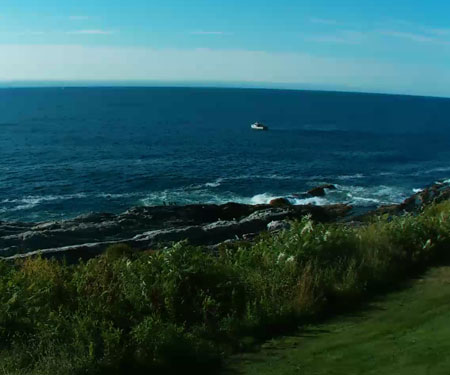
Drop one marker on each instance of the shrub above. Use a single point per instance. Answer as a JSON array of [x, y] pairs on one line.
[[118, 251], [185, 308]]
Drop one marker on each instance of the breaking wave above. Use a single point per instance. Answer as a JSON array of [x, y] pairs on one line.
[[32, 201], [350, 194]]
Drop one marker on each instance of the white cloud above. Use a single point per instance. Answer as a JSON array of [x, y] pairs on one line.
[[414, 37], [405, 35], [209, 33], [92, 32], [324, 21], [440, 32], [76, 62], [341, 37], [78, 18]]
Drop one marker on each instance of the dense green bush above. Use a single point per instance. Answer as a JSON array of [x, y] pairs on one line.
[[185, 308]]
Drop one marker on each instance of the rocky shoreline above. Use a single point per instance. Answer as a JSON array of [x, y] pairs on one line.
[[146, 228]]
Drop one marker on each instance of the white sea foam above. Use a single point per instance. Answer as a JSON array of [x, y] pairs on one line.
[[189, 196], [207, 193], [36, 199], [350, 194], [117, 195], [432, 170], [369, 196], [365, 201], [317, 201], [262, 198], [260, 177], [351, 177], [214, 184], [29, 202]]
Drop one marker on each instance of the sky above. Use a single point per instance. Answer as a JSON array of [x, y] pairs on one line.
[[400, 46]]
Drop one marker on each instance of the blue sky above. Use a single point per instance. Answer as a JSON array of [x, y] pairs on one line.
[[400, 46]]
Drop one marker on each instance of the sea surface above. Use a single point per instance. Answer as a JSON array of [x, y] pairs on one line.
[[69, 151]]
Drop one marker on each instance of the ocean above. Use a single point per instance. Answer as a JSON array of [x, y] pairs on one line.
[[70, 151]]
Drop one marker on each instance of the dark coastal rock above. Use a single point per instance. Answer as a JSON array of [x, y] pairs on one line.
[[279, 202], [208, 225], [278, 225], [146, 228], [435, 193], [319, 191], [150, 227]]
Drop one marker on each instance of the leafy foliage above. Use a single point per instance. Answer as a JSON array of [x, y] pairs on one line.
[[186, 308]]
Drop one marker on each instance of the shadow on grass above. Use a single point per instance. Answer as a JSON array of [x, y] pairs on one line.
[[335, 313]]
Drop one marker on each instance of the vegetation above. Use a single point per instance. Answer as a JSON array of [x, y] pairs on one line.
[[405, 332], [185, 308]]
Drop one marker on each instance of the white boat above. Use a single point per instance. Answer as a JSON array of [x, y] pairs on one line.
[[259, 126]]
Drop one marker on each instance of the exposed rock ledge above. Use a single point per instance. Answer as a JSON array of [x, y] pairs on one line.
[[152, 227]]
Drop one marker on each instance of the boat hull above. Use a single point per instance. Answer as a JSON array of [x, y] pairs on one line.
[[258, 127]]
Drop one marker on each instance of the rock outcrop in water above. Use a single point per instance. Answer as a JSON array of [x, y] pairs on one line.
[[319, 191], [279, 202], [153, 227]]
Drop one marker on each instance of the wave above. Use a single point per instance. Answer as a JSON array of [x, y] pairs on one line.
[[208, 193], [261, 177], [117, 195], [317, 201], [349, 194], [430, 171], [388, 174], [351, 177], [185, 196], [32, 201], [373, 195], [214, 184], [36, 199], [263, 198], [221, 180]]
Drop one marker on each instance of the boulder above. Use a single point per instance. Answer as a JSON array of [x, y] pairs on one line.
[[279, 202], [319, 191], [278, 225]]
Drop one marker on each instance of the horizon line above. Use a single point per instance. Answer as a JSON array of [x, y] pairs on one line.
[[105, 83]]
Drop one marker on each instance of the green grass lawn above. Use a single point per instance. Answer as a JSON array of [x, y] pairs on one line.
[[406, 332]]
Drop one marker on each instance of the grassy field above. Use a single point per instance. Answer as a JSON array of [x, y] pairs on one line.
[[407, 332]]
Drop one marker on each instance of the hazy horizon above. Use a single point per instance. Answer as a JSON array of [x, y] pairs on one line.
[[393, 48], [201, 84]]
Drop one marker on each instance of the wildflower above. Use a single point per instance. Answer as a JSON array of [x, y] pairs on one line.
[[307, 228], [427, 244], [281, 257], [291, 259]]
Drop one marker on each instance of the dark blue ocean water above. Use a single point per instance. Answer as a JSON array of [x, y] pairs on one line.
[[65, 152]]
